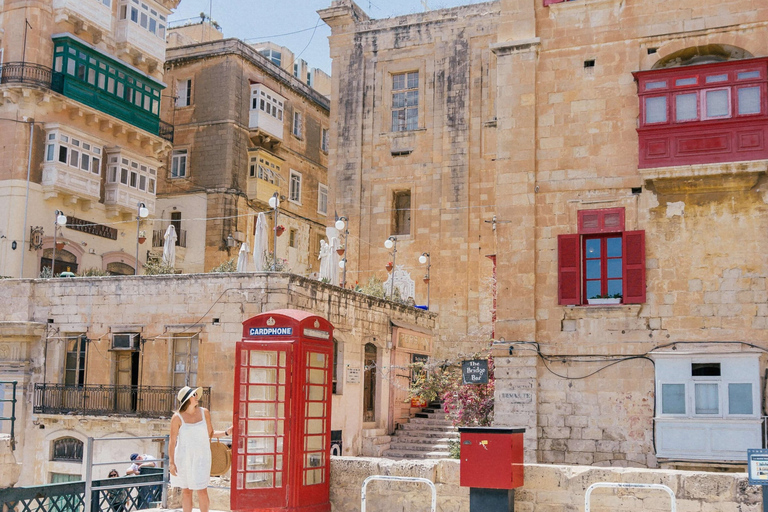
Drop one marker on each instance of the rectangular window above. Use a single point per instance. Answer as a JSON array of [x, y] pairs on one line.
[[322, 199], [749, 100], [656, 110], [324, 140], [292, 234], [297, 121], [687, 107], [185, 353], [740, 399], [602, 261], [673, 398], [176, 223], [707, 400], [179, 163], [295, 187], [184, 93], [74, 366], [401, 209], [405, 101], [717, 103]]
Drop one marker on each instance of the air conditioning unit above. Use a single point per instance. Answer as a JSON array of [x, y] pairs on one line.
[[125, 341]]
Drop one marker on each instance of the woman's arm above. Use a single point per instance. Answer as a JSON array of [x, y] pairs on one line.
[[214, 433], [175, 426]]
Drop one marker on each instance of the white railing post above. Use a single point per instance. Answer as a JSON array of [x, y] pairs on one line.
[[629, 486], [413, 479], [88, 475]]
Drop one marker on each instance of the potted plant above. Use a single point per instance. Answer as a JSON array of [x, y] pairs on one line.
[[279, 230], [605, 299], [340, 251], [389, 266], [59, 246], [142, 237]]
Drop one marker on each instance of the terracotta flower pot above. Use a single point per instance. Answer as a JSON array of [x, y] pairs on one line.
[[59, 246], [426, 280], [340, 251], [279, 230], [142, 239], [389, 267]]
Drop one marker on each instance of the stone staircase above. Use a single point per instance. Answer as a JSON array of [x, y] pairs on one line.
[[426, 436]]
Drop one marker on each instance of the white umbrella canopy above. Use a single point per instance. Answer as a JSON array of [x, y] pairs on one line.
[[260, 244], [169, 246], [242, 259]]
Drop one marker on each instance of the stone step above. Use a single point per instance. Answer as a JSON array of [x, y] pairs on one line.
[[431, 421], [408, 454], [414, 447], [422, 439], [374, 432], [408, 427], [432, 415]]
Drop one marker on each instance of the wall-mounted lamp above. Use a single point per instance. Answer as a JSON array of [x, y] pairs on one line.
[[424, 258], [342, 224], [141, 213], [61, 220], [391, 243], [230, 241]]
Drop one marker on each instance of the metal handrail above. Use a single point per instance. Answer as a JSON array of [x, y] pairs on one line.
[[414, 479], [12, 417], [618, 485]]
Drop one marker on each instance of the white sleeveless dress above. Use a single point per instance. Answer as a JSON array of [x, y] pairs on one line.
[[193, 456]]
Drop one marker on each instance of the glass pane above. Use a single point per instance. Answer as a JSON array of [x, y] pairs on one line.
[[261, 410], [716, 78], [315, 392], [262, 375], [398, 100], [254, 480], [739, 398], [685, 81], [316, 376], [262, 358], [313, 460], [673, 398], [613, 247], [707, 399], [261, 393], [748, 74], [412, 98], [261, 445], [593, 248], [314, 426], [315, 409], [313, 476], [316, 360], [615, 287], [614, 268], [313, 443], [260, 462], [261, 427], [717, 103], [656, 110], [593, 289], [593, 269], [749, 100], [655, 85], [686, 107], [398, 82]]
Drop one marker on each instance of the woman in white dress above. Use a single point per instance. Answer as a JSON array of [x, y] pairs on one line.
[[190, 448]]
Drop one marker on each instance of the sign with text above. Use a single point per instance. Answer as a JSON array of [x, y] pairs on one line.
[[474, 371], [353, 375], [757, 466]]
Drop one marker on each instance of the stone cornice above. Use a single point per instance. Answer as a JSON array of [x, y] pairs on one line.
[[30, 330], [510, 47]]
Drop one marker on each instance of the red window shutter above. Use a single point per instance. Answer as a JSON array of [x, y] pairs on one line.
[[568, 270], [634, 267], [606, 220]]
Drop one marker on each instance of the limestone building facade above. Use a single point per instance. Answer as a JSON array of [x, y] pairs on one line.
[[589, 179], [246, 129], [81, 87], [104, 357]]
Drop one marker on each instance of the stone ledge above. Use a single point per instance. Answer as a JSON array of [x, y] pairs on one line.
[[598, 312]]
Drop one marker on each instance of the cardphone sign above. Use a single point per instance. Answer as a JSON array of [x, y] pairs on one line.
[[757, 466], [474, 371]]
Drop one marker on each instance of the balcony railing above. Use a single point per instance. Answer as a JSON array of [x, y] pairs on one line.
[[100, 400], [166, 131], [159, 241], [25, 73]]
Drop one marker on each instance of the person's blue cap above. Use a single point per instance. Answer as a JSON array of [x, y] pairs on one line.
[[134, 455]]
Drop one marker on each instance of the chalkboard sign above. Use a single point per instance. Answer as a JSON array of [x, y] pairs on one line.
[[474, 371]]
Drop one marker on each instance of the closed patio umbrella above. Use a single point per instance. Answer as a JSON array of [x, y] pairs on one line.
[[260, 244], [242, 259], [169, 246]]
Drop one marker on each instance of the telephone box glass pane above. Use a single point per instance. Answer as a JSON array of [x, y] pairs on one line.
[[316, 377], [314, 426], [261, 393], [260, 462], [255, 480], [313, 443], [313, 476], [315, 410], [262, 376], [262, 358], [316, 360], [315, 392]]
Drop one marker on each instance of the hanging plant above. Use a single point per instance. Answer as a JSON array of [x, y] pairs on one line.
[[389, 266], [279, 230]]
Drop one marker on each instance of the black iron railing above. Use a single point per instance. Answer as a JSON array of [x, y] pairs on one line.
[[159, 241], [25, 73], [98, 400], [8, 385], [166, 131], [126, 495]]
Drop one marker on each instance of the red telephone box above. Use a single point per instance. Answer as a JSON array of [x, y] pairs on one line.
[[281, 439]]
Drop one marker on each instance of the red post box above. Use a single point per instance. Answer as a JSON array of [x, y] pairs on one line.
[[491, 466], [282, 414]]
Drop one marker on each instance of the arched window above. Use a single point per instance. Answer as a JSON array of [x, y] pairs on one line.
[[67, 449]]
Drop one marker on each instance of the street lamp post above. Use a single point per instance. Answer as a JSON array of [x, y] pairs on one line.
[[343, 224], [424, 258], [391, 243], [274, 202], [141, 213], [60, 220]]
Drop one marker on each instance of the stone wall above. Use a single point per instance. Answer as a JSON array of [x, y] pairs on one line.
[[551, 488]]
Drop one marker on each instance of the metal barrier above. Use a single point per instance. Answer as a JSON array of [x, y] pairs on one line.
[[413, 479], [12, 417], [628, 486], [125, 494]]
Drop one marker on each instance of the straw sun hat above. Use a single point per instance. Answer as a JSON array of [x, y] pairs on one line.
[[186, 392]]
